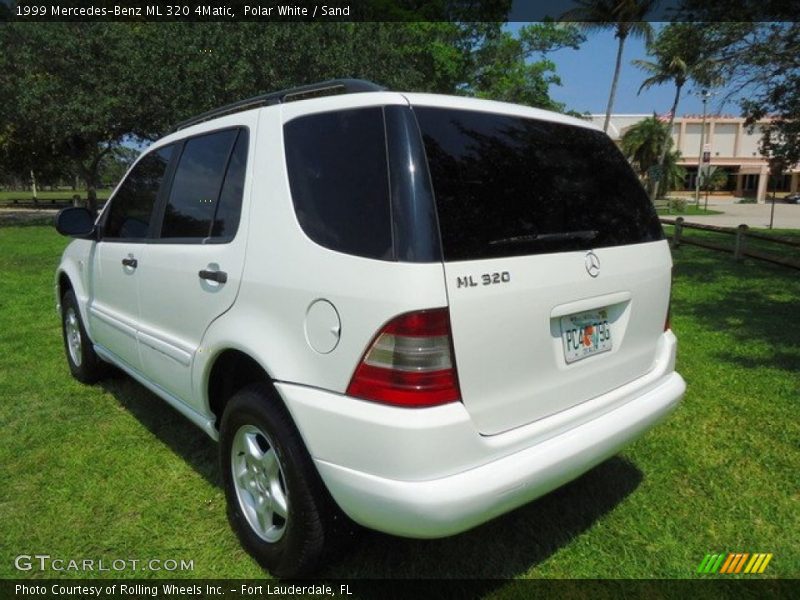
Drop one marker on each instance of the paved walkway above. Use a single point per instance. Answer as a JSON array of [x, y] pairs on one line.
[[17, 216], [787, 216]]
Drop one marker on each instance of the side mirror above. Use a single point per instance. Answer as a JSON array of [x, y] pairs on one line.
[[75, 222]]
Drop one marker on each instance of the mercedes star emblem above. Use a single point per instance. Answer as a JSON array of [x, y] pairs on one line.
[[592, 264]]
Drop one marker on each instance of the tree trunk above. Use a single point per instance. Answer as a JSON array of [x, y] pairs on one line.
[[91, 174], [614, 83], [662, 159], [33, 186]]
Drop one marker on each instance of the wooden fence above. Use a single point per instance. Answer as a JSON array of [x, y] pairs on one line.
[[740, 247]]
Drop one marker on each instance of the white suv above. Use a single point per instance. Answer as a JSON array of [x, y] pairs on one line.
[[420, 311]]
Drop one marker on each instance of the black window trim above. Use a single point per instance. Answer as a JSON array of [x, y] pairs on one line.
[[154, 235]]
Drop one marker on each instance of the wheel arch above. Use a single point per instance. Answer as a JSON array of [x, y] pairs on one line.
[[69, 277], [64, 283], [229, 371]]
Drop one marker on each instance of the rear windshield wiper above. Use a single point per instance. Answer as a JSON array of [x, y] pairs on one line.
[[588, 234]]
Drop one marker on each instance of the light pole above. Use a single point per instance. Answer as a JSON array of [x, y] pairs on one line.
[[705, 95]]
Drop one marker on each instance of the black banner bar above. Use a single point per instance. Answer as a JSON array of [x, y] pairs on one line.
[[157, 11], [236, 589]]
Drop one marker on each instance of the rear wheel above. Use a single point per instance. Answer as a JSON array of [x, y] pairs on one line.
[[84, 364], [277, 503]]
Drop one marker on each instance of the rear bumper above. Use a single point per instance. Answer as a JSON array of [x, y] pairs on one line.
[[428, 473], [452, 504]]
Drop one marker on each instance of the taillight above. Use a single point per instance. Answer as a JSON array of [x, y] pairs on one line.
[[410, 362]]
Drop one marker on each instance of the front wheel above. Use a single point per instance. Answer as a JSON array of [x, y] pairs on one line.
[[84, 364], [277, 503]]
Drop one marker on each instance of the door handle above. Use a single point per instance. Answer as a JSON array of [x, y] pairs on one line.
[[218, 276], [130, 262]]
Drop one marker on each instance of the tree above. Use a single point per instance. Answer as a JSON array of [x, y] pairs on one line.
[[767, 69], [713, 178], [502, 67], [642, 145], [72, 97], [78, 90], [755, 47], [625, 17], [681, 54]]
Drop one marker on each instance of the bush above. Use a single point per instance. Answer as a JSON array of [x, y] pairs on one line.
[[677, 204]]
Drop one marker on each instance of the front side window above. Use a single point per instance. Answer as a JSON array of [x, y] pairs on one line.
[[339, 178], [131, 208], [197, 185]]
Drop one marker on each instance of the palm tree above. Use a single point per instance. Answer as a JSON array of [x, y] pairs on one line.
[[625, 17], [642, 144], [681, 54]]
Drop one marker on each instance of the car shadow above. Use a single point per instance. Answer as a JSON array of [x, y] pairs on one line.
[[503, 548], [500, 549], [167, 424]]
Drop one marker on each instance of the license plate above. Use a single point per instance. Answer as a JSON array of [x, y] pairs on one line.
[[585, 334]]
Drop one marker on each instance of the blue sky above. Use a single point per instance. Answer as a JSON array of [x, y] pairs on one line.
[[586, 80]]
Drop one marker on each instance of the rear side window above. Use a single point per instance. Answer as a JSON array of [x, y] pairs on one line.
[[508, 186], [132, 206], [339, 180], [197, 185]]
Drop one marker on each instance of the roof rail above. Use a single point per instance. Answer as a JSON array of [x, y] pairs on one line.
[[303, 92]]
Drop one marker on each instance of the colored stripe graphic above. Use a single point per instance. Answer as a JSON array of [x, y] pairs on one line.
[[727, 563], [740, 564], [749, 566], [734, 562], [764, 564], [715, 568]]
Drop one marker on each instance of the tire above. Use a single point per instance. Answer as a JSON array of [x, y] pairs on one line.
[[84, 364], [277, 505]]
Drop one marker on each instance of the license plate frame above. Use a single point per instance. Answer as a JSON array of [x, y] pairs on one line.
[[585, 334]]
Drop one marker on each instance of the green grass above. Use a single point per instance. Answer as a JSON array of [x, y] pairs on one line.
[[45, 196], [109, 471], [690, 209]]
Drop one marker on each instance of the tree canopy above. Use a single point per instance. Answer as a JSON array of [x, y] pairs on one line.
[[78, 90]]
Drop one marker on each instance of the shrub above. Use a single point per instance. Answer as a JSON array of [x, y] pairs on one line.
[[677, 204]]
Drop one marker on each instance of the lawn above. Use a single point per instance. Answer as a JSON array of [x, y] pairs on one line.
[[110, 471], [689, 209]]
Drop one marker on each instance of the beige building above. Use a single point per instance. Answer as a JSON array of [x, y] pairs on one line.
[[730, 145]]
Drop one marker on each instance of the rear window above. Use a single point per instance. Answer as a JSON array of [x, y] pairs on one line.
[[339, 178], [508, 186]]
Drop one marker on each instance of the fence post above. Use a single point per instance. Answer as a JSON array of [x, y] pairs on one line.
[[741, 242], [676, 236]]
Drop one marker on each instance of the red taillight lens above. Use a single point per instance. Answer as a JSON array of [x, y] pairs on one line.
[[410, 362]]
